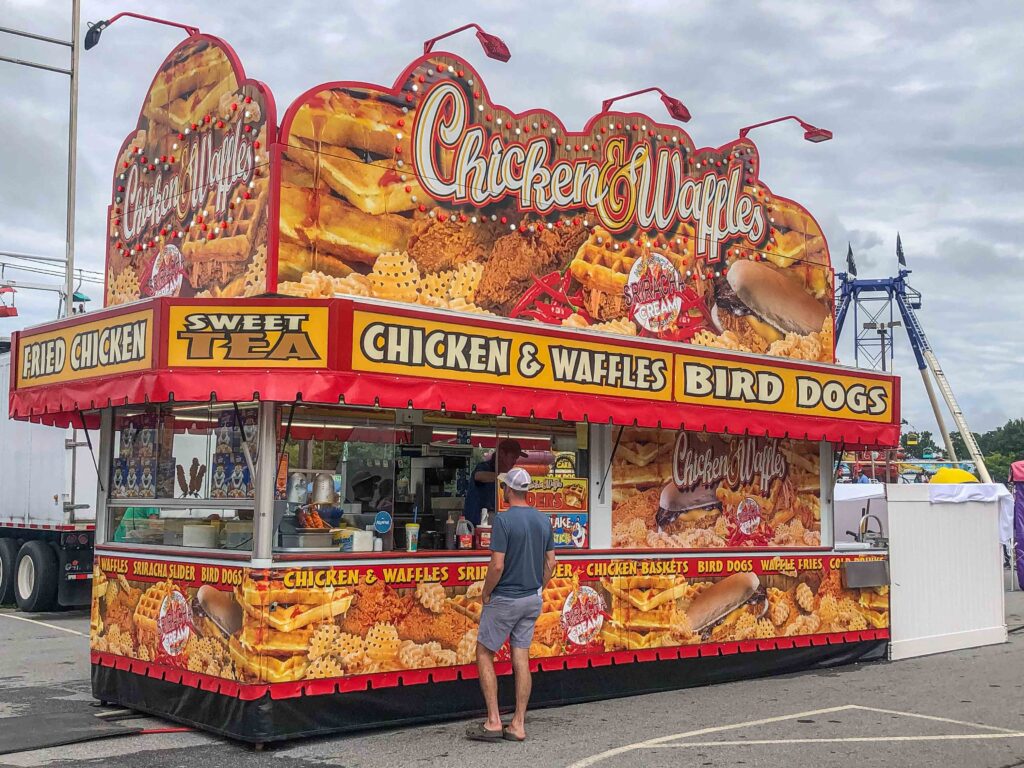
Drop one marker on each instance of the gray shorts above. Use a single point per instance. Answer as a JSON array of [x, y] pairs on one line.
[[505, 617]]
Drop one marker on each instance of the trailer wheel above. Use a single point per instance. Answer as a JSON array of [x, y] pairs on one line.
[[8, 559], [35, 580]]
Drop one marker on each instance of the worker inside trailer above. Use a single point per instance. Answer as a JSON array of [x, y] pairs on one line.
[[481, 493]]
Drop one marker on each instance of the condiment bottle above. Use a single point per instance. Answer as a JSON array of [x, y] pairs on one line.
[[450, 536], [483, 531], [464, 530]]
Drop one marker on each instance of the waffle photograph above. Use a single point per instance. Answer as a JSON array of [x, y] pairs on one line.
[[356, 219], [264, 632], [182, 221]]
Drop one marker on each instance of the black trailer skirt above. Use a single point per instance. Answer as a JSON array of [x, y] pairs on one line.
[[268, 719]]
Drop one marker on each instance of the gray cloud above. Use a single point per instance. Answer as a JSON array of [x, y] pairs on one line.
[[921, 97]]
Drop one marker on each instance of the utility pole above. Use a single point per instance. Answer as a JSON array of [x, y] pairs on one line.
[[69, 281], [67, 291]]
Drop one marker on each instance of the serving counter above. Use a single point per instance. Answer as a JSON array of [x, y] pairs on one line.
[[606, 629]]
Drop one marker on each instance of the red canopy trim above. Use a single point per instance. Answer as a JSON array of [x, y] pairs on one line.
[[332, 380], [59, 404]]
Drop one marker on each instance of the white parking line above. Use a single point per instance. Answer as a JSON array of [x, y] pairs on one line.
[[862, 739], [666, 742], [42, 624], [594, 759], [934, 718]]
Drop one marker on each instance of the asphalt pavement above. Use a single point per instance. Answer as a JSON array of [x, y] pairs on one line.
[[956, 709]]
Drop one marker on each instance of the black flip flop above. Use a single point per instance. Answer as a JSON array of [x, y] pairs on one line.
[[477, 732], [507, 735]]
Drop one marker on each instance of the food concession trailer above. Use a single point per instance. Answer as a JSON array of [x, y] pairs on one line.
[[316, 335]]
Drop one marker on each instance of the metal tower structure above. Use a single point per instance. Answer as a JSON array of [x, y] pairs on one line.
[[875, 303]]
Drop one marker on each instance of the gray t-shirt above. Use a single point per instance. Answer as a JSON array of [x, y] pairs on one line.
[[524, 535]]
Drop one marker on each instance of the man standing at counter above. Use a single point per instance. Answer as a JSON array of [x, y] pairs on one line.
[[481, 491], [522, 562]]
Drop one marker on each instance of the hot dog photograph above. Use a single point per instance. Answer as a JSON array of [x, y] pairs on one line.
[[658, 611]]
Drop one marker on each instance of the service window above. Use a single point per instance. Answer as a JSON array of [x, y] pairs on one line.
[[182, 475], [363, 480], [337, 469]]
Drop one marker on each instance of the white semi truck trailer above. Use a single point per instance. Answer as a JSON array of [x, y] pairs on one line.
[[47, 510]]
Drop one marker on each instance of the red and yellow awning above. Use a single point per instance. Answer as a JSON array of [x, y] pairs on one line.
[[370, 353]]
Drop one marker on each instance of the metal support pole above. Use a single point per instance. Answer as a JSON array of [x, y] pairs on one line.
[[938, 414], [31, 257], [69, 276], [1013, 562], [599, 443], [266, 476], [34, 36], [68, 285], [827, 485], [35, 65], [106, 446], [958, 416], [856, 333]]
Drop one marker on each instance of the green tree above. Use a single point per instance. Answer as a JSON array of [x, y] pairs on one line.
[[961, 447], [998, 465], [1001, 447], [1008, 438]]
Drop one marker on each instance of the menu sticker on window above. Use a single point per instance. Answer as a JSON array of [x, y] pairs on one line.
[[555, 493], [570, 530]]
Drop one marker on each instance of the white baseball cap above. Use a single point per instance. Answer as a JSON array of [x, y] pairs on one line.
[[517, 478]]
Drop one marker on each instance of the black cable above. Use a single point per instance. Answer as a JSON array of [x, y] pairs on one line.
[[611, 458], [88, 441]]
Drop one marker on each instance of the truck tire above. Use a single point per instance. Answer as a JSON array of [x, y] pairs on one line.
[[35, 577], [8, 559]]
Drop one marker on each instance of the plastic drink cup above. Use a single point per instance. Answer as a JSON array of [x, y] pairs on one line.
[[412, 537]]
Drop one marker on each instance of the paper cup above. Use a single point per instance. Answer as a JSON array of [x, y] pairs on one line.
[[412, 537]]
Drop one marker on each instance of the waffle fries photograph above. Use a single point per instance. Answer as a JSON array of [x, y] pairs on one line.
[[641, 471], [356, 220], [196, 106], [290, 634], [124, 621]]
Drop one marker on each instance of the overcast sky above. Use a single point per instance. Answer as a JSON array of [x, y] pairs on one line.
[[924, 98]]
